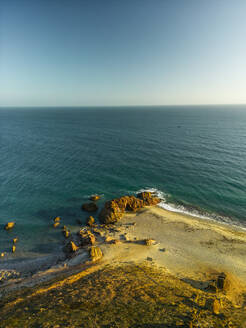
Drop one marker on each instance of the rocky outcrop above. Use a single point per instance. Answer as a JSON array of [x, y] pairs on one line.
[[94, 198], [90, 207], [114, 210], [148, 198], [9, 225]]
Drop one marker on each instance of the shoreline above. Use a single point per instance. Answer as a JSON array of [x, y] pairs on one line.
[[173, 233]]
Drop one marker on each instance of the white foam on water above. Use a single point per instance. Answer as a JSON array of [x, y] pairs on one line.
[[195, 213]]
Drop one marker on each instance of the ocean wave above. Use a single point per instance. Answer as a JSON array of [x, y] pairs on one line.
[[190, 210]]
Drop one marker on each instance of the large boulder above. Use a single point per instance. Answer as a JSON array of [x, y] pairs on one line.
[[90, 207], [113, 211]]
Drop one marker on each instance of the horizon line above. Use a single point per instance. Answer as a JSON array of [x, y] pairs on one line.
[[103, 106]]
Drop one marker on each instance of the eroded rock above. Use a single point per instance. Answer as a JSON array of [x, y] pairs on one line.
[[148, 198], [114, 209]]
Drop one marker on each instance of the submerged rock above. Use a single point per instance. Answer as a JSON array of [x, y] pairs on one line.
[[95, 197], [9, 225], [90, 207]]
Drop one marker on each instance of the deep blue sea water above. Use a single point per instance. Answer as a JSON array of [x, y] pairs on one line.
[[53, 159]]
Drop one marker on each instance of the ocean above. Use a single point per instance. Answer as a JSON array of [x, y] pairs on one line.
[[53, 159]]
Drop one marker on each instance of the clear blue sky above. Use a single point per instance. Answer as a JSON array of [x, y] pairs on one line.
[[76, 52]]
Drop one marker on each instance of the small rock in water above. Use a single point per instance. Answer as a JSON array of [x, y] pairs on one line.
[[56, 224], [66, 233], [9, 225], [57, 219], [95, 198], [74, 248]]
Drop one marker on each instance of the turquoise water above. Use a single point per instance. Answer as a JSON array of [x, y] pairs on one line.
[[52, 159]]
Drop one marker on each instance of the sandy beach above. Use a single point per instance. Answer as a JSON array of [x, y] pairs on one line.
[[186, 246]]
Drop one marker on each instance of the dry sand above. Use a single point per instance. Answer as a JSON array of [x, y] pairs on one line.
[[188, 247]]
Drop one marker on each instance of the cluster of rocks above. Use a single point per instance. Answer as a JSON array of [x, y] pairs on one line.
[[84, 239], [112, 212], [10, 226], [114, 209]]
